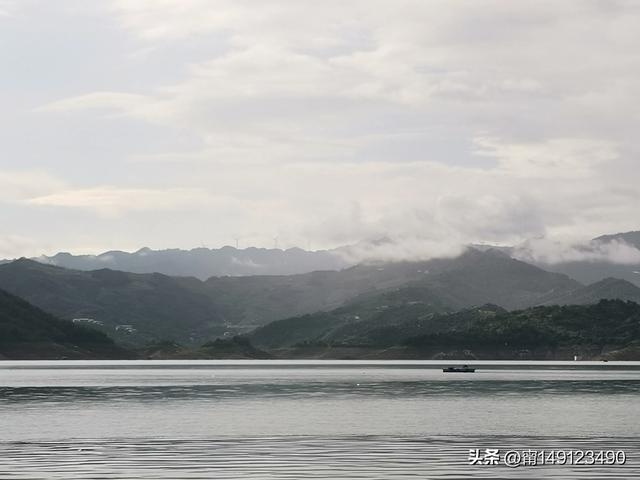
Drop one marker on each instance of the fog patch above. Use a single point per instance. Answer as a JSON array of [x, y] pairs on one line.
[[553, 251], [246, 262], [399, 249]]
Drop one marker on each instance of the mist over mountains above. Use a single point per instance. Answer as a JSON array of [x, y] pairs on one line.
[[607, 256], [141, 308], [326, 299], [616, 255], [204, 262]]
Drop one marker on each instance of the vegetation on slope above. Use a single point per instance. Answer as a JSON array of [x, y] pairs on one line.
[[609, 322], [363, 303], [28, 332], [609, 288], [227, 348], [133, 308], [489, 331]]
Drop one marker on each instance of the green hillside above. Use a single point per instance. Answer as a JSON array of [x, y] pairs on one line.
[[140, 308], [473, 278], [609, 325], [28, 332], [489, 331], [133, 308], [609, 288]]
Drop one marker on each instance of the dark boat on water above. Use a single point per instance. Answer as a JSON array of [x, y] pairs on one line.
[[463, 369]]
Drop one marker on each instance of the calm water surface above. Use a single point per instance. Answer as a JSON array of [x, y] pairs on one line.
[[297, 420]]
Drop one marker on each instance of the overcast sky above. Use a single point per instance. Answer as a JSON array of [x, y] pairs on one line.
[[181, 123]]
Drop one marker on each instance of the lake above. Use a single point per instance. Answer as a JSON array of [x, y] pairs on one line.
[[314, 419]]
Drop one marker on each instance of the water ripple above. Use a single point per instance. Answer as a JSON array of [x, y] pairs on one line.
[[349, 457], [57, 394]]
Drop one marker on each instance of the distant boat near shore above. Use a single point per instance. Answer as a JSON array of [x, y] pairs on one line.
[[462, 369]]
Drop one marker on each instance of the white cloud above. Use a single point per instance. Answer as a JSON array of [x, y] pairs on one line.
[[568, 158], [115, 201], [552, 251], [395, 249], [15, 246], [18, 185], [431, 123], [325, 69], [6, 8], [98, 100]]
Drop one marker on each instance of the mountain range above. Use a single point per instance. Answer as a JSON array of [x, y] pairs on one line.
[[133, 308], [203, 262], [392, 317], [354, 306], [590, 265], [137, 309]]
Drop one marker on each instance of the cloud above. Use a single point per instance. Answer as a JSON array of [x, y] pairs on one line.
[[397, 249], [336, 72], [114, 201], [569, 158], [98, 100], [6, 9], [433, 124], [15, 246], [18, 185], [552, 251]]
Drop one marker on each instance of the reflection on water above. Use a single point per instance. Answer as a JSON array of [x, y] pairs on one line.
[[260, 420]]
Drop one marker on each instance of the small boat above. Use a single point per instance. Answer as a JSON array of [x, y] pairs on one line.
[[463, 369]]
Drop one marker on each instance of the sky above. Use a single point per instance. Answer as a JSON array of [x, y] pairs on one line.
[[188, 123]]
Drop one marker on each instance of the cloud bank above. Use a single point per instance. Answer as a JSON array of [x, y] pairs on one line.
[[550, 251], [432, 124]]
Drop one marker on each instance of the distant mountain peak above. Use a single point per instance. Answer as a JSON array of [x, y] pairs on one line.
[[29, 263], [613, 281], [605, 289], [203, 262], [632, 238]]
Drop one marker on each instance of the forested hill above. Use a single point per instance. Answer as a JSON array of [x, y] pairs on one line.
[[132, 308], [141, 308], [421, 330], [26, 332], [607, 328], [137, 309]]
